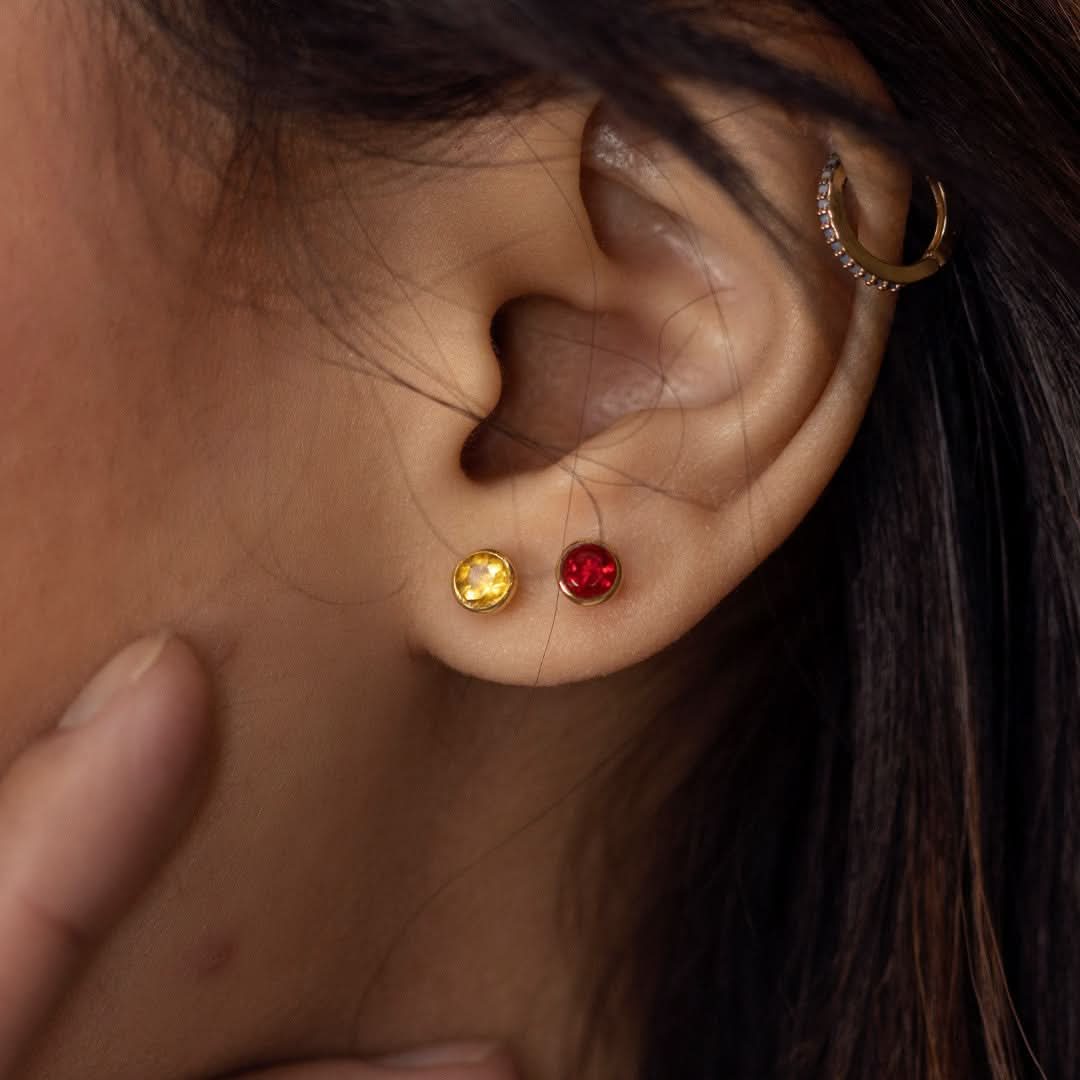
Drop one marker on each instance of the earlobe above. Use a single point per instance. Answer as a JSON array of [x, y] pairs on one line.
[[688, 417]]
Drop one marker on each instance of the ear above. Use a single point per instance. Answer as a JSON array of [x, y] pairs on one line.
[[666, 377]]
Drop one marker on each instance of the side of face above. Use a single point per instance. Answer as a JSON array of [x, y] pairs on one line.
[[157, 423], [168, 458], [255, 420]]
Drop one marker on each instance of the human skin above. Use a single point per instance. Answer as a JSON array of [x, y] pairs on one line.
[[88, 811], [186, 442], [171, 459]]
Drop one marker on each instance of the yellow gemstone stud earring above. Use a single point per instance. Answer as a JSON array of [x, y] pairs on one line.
[[484, 582], [854, 258]]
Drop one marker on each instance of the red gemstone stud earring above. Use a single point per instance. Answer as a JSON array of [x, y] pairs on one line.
[[589, 573]]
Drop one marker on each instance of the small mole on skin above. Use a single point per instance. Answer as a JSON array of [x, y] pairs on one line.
[[213, 955]]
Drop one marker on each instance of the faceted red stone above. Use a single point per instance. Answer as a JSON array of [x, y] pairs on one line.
[[589, 572]]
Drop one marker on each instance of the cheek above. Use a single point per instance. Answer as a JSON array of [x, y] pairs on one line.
[[90, 447], [95, 456], [83, 475]]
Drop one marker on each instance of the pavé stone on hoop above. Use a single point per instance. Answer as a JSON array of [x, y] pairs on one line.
[[827, 220]]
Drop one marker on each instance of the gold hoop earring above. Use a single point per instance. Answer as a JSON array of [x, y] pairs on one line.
[[854, 258], [484, 582]]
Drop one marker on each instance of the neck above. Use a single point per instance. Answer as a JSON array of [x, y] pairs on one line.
[[372, 870]]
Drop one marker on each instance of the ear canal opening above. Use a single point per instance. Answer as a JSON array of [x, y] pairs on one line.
[[570, 375], [567, 376]]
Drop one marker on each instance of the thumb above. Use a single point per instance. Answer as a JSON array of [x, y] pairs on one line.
[[466, 1061], [86, 814]]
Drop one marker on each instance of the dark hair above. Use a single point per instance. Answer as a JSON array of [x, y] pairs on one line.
[[874, 870]]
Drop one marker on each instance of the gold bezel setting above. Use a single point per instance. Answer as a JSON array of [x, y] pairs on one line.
[[484, 597], [608, 577]]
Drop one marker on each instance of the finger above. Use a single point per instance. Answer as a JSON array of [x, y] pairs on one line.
[[85, 816], [462, 1062]]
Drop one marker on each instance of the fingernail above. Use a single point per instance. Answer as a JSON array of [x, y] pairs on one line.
[[123, 670], [432, 1057]]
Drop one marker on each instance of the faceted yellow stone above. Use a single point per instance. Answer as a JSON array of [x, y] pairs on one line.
[[484, 581]]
